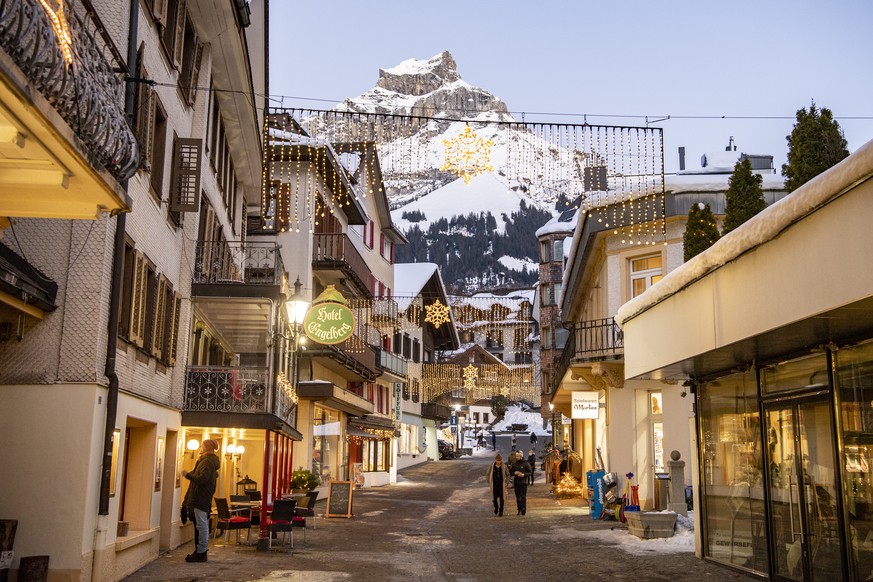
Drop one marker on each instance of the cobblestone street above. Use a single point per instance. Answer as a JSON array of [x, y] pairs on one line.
[[437, 524]]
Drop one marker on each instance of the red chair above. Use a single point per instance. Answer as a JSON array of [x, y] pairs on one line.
[[228, 521]]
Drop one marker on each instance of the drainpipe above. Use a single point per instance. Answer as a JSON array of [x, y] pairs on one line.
[[117, 267]]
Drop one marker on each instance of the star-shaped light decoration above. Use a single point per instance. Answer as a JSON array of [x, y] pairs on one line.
[[467, 155], [471, 373], [437, 313]]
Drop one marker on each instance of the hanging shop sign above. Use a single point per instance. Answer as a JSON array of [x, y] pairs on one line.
[[585, 405], [329, 323]]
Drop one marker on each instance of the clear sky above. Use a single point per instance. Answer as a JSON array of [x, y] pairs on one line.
[[746, 58]]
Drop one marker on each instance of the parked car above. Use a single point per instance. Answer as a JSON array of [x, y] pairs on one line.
[[446, 449]]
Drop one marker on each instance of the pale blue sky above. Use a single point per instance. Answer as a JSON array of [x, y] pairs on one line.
[[619, 57]]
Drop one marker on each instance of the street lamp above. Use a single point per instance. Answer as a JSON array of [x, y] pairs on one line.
[[297, 306]]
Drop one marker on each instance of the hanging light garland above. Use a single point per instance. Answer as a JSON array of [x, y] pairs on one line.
[[287, 387], [614, 174], [61, 28]]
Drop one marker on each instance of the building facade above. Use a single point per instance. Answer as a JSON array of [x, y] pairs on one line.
[[780, 370]]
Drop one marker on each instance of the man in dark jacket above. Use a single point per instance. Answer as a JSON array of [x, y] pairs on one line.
[[520, 471], [199, 496]]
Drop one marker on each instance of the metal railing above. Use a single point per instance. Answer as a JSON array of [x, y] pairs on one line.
[[392, 362], [354, 354], [228, 389], [336, 251], [594, 339], [252, 263], [87, 93]]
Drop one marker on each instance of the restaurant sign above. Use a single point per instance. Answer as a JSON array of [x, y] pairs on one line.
[[329, 323]]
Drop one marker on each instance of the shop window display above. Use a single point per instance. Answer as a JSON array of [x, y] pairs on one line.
[[732, 464], [855, 384], [326, 453]]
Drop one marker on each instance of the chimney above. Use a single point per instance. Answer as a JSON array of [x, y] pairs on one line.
[[681, 158], [731, 147]]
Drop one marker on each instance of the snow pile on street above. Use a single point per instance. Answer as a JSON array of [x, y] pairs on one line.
[[520, 414], [682, 540]]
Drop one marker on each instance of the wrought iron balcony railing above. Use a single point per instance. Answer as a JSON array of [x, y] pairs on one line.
[[89, 92], [232, 389], [252, 263], [335, 251], [592, 340], [353, 354]]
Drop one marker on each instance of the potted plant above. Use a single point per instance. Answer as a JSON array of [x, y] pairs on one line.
[[303, 480]]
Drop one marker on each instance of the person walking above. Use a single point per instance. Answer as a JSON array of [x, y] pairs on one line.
[[533, 439], [498, 478], [494, 441], [198, 499], [520, 471], [532, 461], [514, 441]]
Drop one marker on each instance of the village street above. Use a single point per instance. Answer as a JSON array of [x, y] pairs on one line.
[[437, 523]]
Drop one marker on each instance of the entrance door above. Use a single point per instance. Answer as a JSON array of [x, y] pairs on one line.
[[804, 521]]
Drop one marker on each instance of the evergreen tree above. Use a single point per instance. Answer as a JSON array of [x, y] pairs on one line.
[[701, 231], [816, 143], [745, 197]]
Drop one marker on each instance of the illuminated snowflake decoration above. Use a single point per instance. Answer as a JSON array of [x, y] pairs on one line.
[[471, 373], [437, 313], [467, 155]]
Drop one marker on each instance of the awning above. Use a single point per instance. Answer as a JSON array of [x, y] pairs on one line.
[[356, 432], [371, 421], [333, 396]]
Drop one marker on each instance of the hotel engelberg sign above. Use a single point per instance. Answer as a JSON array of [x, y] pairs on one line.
[[329, 323]]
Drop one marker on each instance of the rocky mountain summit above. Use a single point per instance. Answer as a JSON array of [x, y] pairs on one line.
[[430, 88]]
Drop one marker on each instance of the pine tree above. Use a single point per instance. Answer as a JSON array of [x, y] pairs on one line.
[[701, 231], [816, 143], [745, 197]]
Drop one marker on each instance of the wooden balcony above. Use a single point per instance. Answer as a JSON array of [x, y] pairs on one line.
[[353, 356], [335, 256]]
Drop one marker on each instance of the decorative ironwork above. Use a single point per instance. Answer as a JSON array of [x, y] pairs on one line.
[[253, 263], [227, 389], [88, 94]]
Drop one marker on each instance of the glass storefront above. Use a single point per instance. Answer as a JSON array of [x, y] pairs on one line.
[[732, 464], [855, 386], [327, 454]]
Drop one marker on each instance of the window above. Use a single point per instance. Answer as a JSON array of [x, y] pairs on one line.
[[645, 272], [151, 310], [545, 252], [416, 351], [157, 152], [558, 252], [192, 54]]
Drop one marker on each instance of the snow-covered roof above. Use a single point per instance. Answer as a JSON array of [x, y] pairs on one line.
[[712, 182], [558, 226], [719, 161], [410, 278], [759, 229]]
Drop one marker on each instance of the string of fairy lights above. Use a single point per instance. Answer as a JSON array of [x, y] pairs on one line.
[[313, 161]]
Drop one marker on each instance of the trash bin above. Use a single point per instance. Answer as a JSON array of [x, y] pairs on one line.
[[662, 491]]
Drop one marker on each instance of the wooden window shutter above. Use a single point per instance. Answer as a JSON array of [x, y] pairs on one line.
[[195, 72], [159, 322], [179, 42], [244, 220], [185, 184], [175, 316], [145, 120], [136, 332], [159, 10]]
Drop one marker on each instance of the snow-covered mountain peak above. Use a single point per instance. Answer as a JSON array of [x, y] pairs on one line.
[[430, 88]]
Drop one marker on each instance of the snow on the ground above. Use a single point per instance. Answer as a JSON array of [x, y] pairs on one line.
[[520, 414], [682, 541]]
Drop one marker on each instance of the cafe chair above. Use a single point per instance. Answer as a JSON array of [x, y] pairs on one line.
[[228, 521], [254, 495], [281, 520], [306, 507]]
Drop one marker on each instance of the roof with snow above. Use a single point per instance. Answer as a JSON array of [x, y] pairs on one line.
[[763, 227]]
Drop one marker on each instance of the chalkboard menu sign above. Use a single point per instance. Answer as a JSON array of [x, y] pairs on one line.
[[339, 499]]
